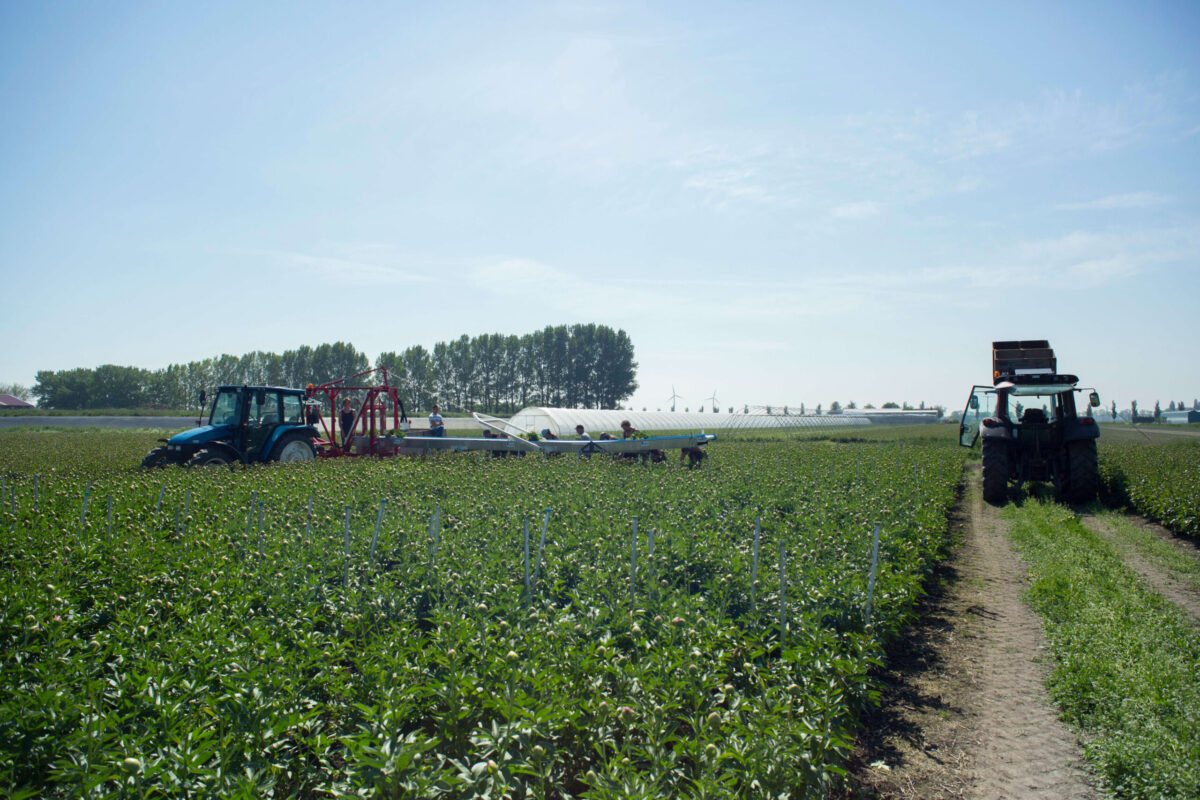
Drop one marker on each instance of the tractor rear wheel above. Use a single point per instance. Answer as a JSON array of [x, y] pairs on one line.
[[1083, 472], [209, 458], [293, 447], [156, 458], [995, 471]]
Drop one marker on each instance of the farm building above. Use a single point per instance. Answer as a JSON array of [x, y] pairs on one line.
[[8, 401], [562, 421], [1181, 417]]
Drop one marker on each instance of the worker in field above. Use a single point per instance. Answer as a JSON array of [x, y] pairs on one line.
[[437, 426], [581, 433], [630, 432], [347, 421]]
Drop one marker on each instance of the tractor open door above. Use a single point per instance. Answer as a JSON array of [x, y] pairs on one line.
[[980, 405]]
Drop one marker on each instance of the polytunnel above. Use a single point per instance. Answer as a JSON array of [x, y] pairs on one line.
[[562, 421]]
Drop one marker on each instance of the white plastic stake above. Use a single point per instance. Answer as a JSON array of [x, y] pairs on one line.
[[871, 575], [108, 532], [650, 558], [36, 489], [346, 549], [260, 528], [187, 505], [782, 598], [525, 526], [378, 522], [86, 494], [537, 569], [308, 519], [435, 532], [633, 561], [754, 561]]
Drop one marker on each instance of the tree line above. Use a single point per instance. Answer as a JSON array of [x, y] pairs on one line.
[[575, 366]]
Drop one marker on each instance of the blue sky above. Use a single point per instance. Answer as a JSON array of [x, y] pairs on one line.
[[783, 202]]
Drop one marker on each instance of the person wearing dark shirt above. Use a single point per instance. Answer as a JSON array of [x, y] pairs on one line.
[[347, 421]]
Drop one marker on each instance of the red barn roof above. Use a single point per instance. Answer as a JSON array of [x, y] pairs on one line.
[[8, 401]]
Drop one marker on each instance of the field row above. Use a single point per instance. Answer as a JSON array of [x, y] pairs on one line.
[[177, 649], [1161, 482]]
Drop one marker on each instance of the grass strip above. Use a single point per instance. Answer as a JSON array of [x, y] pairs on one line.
[[1159, 552], [1126, 661]]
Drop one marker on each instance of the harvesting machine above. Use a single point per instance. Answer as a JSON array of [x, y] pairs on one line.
[[250, 424], [1029, 424]]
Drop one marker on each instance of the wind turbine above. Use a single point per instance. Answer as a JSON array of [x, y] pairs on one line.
[[673, 397], [715, 405]]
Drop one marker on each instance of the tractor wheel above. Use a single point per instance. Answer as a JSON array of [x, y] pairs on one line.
[[995, 471], [1083, 472], [294, 447], [156, 458], [208, 458]]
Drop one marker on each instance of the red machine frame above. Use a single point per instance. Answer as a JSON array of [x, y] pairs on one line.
[[374, 407]]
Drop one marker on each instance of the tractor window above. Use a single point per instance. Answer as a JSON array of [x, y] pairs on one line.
[[1033, 408], [268, 412], [225, 409], [292, 409]]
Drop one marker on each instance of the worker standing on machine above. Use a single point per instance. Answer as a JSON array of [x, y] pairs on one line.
[[347, 421], [437, 426]]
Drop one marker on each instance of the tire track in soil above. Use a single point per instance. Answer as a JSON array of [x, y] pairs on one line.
[[965, 713], [1161, 580]]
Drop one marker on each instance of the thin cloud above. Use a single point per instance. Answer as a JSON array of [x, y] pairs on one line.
[[1113, 201], [861, 210], [345, 271]]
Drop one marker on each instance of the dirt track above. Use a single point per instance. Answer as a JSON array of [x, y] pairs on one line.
[[967, 714]]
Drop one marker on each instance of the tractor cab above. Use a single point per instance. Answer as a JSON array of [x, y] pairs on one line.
[[245, 423]]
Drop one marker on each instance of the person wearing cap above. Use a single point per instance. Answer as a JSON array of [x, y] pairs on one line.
[[546, 434]]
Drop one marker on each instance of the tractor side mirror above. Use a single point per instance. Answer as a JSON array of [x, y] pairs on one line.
[[974, 403], [202, 398], [1094, 400]]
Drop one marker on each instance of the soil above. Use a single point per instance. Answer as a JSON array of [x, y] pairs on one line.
[[965, 712]]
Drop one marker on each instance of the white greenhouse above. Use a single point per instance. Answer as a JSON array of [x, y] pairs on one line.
[[562, 421]]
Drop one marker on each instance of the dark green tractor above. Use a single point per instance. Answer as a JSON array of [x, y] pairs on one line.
[[1030, 425], [246, 424]]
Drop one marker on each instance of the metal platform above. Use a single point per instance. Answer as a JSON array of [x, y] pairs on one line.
[[510, 438], [417, 445]]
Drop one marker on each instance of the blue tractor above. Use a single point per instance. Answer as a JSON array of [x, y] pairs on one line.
[[247, 424]]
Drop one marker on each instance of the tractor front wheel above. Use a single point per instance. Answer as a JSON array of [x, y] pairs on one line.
[[156, 458], [209, 458], [295, 447], [1083, 471], [995, 471]]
